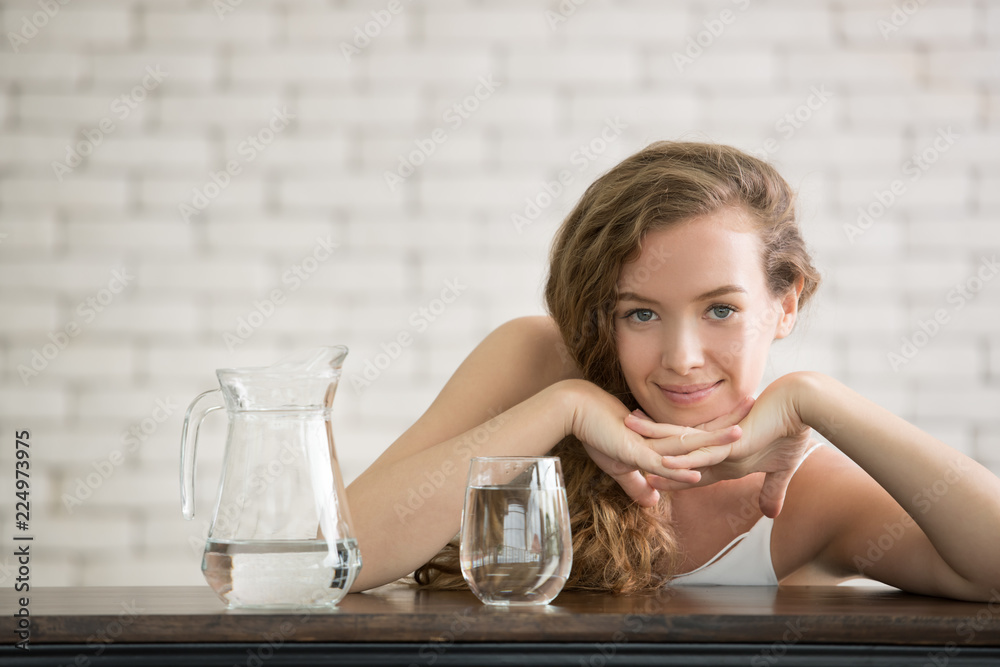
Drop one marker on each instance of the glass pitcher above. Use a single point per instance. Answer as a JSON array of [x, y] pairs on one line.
[[281, 535]]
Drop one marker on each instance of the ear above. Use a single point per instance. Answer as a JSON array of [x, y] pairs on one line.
[[790, 309]]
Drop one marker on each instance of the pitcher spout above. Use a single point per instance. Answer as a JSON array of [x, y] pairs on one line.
[[318, 360], [300, 381]]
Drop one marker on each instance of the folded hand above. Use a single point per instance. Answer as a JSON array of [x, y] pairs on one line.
[[773, 440]]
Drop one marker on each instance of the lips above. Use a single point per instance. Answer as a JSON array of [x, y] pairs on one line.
[[688, 394], [687, 388]]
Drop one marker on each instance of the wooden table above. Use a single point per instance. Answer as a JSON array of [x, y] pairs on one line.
[[397, 625]]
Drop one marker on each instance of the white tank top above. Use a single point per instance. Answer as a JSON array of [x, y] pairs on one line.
[[746, 561]]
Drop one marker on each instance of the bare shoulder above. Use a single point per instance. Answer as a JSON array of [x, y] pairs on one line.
[[513, 362], [839, 523], [828, 491], [537, 339]]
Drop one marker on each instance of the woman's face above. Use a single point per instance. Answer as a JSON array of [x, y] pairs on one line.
[[695, 319]]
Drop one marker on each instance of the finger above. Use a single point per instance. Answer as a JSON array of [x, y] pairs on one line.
[[772, 492], [702, 458], [638, 455], [708, 476], [641, 415], [693, 440], [668, 485], [646, 427], [650, 462], [638, 488], [735, 416]]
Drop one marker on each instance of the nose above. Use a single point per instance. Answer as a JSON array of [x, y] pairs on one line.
[[682, 348]]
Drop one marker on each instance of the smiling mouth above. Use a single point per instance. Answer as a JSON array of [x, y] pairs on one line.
[[693, 388], [689, 397]]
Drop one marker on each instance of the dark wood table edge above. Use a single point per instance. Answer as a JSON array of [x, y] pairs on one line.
[[476, 654], [848, 629]]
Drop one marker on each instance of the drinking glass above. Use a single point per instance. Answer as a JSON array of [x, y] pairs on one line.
[[516, 548]]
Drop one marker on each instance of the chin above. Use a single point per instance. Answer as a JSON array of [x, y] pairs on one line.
[[680, 417], [695, 415]]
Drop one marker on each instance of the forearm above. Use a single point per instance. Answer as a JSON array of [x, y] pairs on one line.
[[405, 511], [954, 499]]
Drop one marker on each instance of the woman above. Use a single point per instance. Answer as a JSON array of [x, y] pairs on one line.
[[668, 282]]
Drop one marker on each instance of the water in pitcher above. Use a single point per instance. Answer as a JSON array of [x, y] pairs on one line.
[[281, 536], [280, 573], [522, 553]]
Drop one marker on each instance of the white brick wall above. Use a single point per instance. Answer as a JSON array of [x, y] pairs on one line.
[[323, 175]]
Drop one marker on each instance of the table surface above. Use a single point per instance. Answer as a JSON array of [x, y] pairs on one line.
[[399, 613]]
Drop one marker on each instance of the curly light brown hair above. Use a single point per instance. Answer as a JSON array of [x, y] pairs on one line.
[[619, 546]]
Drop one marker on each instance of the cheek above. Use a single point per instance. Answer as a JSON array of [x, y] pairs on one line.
[[747, 350], [634, 353], [740, 347]]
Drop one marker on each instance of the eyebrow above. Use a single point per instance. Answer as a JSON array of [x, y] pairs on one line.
[[711, 294]]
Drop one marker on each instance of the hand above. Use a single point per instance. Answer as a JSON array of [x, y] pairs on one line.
[[774, 439], [599, 422], [641, 423]]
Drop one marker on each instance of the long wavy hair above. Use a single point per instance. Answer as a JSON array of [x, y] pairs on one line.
[[619, 546]]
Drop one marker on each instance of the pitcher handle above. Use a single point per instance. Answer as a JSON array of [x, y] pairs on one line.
[[188, 451]]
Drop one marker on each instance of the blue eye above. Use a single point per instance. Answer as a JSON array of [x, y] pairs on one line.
[[640, 315], [726, 311]]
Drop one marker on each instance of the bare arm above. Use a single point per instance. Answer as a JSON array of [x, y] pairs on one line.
[[407, 504], [509, 398], [933, 526], [897, 505], [406, 510]]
